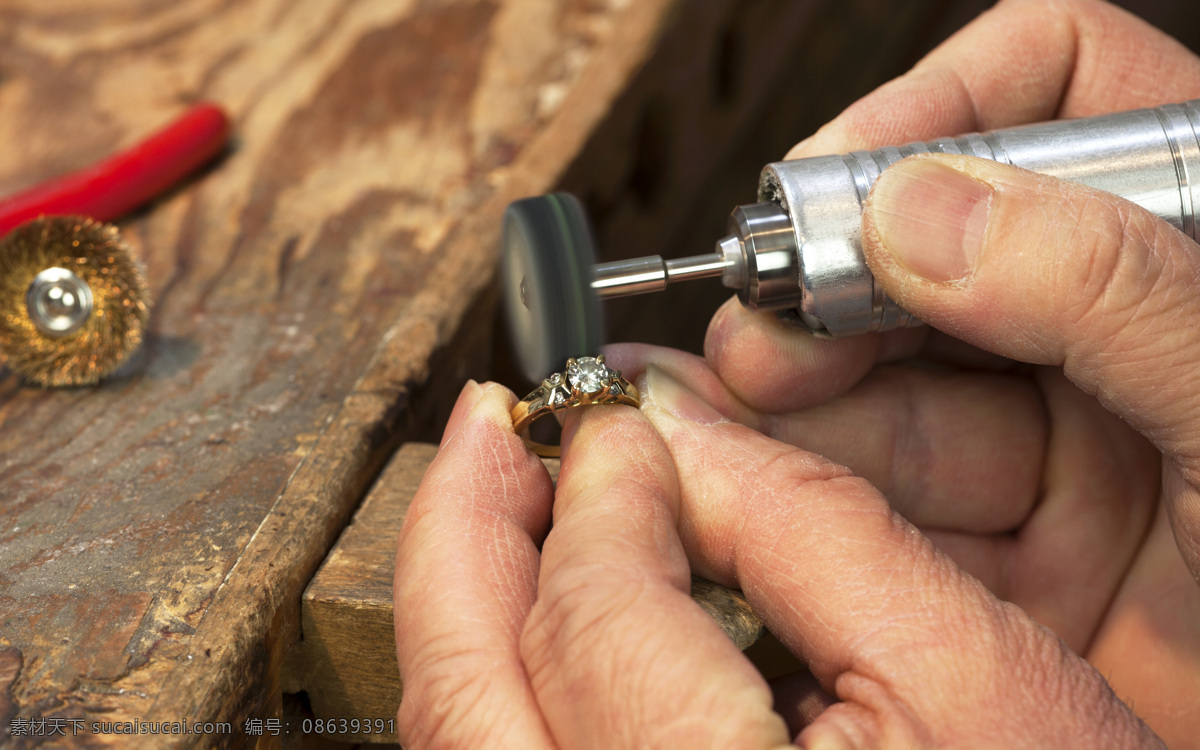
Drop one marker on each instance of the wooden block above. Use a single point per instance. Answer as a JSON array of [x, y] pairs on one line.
[[346, 661]]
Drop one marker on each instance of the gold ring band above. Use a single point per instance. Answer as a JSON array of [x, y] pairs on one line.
[[586, 381]]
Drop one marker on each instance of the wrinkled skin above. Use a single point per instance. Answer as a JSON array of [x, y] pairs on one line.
[[975, 536]]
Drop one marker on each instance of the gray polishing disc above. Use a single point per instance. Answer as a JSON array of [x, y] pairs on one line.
[[553, 314]]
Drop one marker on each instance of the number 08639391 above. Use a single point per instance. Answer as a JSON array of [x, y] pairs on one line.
[[348, 726]]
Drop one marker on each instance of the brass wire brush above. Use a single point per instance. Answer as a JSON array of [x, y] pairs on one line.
[[73, 297], [73, 300]]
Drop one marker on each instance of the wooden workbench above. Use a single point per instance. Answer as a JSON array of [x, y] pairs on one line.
[[156, 532], [324, 289]]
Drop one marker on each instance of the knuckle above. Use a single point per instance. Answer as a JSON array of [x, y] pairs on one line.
[[588, 631], [792, 506], [1052, 680], [617, 430], [639, 494], [575, 614], [439, 695], [1117, 274], [787, 494], [1091, 278]]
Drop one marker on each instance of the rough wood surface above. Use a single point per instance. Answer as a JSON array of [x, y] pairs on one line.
[[156, 532], [346, 662]]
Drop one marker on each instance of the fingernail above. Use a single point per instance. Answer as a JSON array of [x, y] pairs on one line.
[[931, 217], [470, 395], [674, 397]]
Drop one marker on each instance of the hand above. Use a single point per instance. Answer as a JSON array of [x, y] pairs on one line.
[[512, 635], [1028, 482], [584, 636]]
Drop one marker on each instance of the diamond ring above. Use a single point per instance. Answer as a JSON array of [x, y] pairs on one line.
[[586, 381]]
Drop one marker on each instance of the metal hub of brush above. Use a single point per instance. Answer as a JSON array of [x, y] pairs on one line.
[[58, 302]]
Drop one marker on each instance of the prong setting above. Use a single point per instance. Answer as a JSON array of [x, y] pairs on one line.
[[588, 375], [585, 381]]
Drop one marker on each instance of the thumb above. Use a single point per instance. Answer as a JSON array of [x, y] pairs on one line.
[[1049, 272]]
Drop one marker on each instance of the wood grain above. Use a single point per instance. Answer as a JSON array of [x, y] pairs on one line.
[[156, 531]]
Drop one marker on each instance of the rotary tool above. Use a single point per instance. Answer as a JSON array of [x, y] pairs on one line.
[[798, 250]]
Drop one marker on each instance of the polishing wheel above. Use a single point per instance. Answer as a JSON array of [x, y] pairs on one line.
[[553, 314]]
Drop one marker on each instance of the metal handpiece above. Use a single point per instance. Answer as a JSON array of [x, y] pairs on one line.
[[800, 248]]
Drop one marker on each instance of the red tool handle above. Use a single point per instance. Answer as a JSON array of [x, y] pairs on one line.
[[127, 179]]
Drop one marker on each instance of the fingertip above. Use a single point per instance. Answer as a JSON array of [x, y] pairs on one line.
[[776, 367], [467, 398], [924, 103], [661, 392], [483, 421], [724, 325], [495, 402], [801, 149], [570, 426], [501, 393], [630, 359], [800, 699], [825, 737]]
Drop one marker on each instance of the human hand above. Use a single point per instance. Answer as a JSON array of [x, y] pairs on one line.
[[1025, 480], [1052, 505], [510, 635]]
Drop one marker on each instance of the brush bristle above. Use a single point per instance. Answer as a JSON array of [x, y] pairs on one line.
[[96, 254]]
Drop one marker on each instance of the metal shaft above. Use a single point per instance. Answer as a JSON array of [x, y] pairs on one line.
[[623, 278], [800, 247]]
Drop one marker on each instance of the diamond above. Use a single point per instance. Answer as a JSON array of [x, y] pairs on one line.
[[588, 375]]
